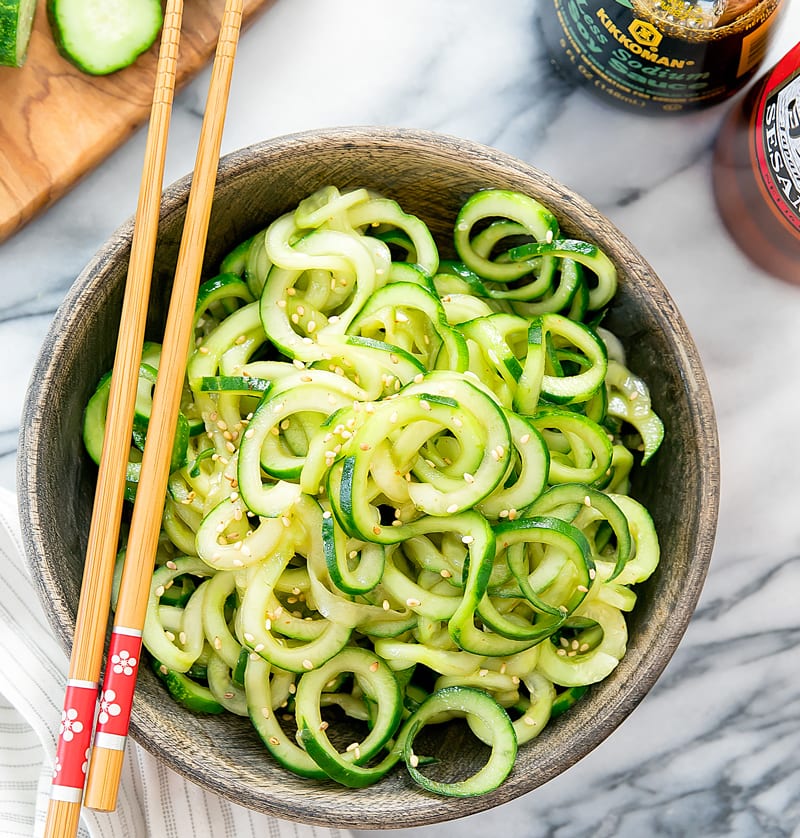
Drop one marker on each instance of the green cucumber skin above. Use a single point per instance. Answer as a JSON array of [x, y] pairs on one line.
[[71, 46], [16, 23]]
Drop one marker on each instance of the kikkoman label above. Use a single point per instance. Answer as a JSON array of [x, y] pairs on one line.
[[622, 53]]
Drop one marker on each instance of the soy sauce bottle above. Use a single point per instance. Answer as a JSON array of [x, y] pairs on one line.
[[756, 170], [659, 56]]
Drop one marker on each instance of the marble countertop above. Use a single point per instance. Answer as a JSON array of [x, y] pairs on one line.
[[713, 749]]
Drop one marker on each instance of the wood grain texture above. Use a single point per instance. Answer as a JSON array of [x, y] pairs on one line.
[[430, 175], [58, 123]]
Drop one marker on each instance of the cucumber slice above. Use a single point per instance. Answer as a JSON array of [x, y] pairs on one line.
[[16, 20], [103, 36]]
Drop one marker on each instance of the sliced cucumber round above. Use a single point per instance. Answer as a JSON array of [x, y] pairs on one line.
[[103, 36]]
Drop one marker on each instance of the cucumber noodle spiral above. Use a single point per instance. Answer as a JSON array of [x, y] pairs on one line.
[[399, 486]]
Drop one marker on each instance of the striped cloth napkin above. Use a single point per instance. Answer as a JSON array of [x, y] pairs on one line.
[[153, 800]]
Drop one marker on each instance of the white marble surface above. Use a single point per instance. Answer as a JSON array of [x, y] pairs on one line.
[[713, 750]]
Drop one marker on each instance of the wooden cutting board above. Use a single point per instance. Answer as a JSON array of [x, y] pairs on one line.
[[57, 123]]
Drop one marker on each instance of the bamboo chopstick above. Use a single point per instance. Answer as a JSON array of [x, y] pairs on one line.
[[126, 639], [86, 660]]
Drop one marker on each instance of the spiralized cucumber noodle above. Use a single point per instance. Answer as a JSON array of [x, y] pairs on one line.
[[400, 486]]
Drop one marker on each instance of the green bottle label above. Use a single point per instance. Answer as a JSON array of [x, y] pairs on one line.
[[630, 58]]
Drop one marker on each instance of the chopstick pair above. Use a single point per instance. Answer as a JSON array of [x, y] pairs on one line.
[[124, 653]]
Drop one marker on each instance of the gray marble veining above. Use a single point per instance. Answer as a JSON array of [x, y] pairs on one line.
[[713, 750]]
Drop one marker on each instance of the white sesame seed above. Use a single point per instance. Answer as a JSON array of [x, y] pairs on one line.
[[452, 508], [307, 664]]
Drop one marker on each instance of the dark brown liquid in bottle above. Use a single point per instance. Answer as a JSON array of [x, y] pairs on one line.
[[761, 223]]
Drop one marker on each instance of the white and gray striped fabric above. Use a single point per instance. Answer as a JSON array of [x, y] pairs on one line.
[[153, 800]]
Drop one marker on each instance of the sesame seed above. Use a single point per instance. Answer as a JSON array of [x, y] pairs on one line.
[[353, 746], [592, 573], [584, 647], [171, 565], [323, 726], [452, 508], [467, 539], [307, 664], [575, 644], [290, 292], [160, 591], [587, 501], [376, 529], [385, 605], [424, 405], [265, 712], [274, 740], [217, 643], [248, 637], [482, 673], [393, 417], [268, 625], [583, 589], [445, 573], [229, 695], [561, 652], [469, 478], [169, 635], [203, 350], [572, 653], [413, 760], [182, 638], [413, 603], [163, 669]]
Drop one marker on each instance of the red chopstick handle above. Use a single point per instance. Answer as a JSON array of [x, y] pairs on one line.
[[119, 684], [74, 740]]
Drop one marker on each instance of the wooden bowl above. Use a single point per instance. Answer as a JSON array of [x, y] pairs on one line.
[[430, 175]]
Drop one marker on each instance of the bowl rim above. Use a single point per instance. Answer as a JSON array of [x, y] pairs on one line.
[[704, 426]]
